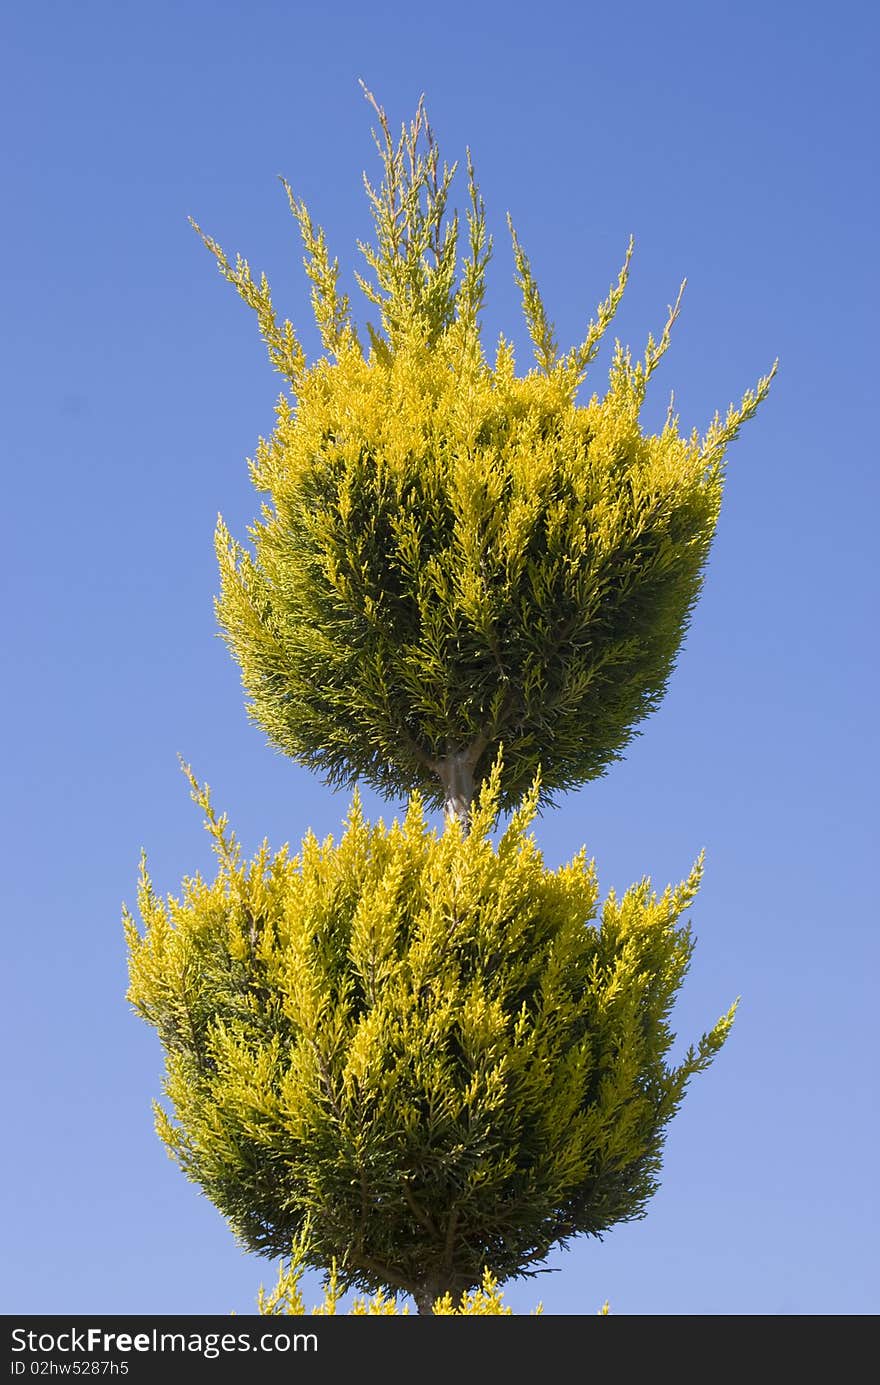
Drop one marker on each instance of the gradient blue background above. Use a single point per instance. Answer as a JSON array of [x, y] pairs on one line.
[[737, 141]]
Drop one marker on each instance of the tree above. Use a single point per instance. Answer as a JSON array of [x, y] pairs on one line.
[[421, 1055]]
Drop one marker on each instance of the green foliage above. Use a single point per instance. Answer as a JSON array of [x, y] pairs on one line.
[[420, 1054], [451, 556]]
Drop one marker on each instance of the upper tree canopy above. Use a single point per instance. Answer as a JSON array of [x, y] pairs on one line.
[[454, 557]]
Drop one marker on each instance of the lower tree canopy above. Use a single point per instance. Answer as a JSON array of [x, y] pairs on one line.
[[430, 1050]]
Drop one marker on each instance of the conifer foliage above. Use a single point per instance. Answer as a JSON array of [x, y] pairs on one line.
[[422, 1046], [451, 556], [417, 1054]]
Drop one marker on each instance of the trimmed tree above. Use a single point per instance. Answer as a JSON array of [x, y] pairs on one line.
[[418, 1055]]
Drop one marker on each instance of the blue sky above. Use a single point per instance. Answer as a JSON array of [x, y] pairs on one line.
[[737, 142]]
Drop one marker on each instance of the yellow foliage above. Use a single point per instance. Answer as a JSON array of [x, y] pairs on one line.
[[423, 1046], [453, 557]]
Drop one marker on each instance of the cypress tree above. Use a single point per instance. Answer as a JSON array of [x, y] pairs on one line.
[[418, 1053]]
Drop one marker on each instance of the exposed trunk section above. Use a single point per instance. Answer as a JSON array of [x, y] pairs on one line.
[[428, 1292], [425, 1303], [457, 777], [456, 773]]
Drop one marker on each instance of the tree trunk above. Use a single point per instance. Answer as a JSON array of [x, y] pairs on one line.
[[424, 1303], [457, 777], [427, 1293], [456, 772]]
